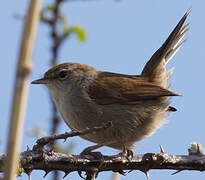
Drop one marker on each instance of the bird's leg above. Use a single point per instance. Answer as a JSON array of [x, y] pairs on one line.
[[88, 151], [127, 153]]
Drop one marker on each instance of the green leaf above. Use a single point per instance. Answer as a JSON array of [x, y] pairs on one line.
[[80, 33], [20, 171], [49, 8]]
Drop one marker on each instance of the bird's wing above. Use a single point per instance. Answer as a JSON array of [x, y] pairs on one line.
[[155, 69], [124, 90]]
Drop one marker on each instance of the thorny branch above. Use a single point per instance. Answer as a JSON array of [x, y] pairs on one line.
[[41, 159]]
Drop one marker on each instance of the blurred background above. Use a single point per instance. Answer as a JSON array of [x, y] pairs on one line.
[[117, 36]]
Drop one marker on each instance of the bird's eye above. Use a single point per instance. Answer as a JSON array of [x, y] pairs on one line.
[[63, 74]]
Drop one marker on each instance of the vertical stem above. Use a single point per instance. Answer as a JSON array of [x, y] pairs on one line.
[[21, 89], [55, 49]]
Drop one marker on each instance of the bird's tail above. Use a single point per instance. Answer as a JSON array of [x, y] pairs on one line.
[[155, 69]]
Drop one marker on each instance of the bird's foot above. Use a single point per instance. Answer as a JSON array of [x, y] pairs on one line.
[[87, 152], [126, 153]]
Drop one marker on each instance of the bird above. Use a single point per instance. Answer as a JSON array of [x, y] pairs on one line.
[[136, 105]]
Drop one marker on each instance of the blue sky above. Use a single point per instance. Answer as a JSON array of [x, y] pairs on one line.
[[121, 37]]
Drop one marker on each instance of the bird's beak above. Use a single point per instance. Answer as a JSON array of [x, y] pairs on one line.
[[40, 81]]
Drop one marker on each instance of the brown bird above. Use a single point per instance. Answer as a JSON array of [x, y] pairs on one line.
[[136, 105]]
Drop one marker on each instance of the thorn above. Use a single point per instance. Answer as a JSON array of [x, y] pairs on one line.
[[196, 149], [88, 178], [28, 171], [80, 174], [146, 172], [120, 171], [46, 173], [200, 150], [176, 172], [66, 173], [130, 171], [92, 172], [161, 149], [65, 139]]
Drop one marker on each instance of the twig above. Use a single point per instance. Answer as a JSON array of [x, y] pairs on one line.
[[40, 143]]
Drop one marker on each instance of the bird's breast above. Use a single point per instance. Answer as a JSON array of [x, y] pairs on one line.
[[78, 112]]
